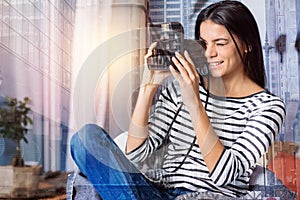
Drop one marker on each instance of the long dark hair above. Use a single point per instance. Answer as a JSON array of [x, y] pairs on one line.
[[239, 21]]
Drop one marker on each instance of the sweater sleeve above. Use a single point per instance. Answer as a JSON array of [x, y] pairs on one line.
[[263, 125], [158, 124]]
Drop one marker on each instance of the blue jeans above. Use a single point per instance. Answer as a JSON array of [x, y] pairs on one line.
[[111, 173]]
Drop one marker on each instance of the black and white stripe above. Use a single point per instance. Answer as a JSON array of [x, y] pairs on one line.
[[246, 126]]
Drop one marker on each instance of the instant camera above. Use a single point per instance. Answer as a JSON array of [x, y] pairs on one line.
[[170, 39]]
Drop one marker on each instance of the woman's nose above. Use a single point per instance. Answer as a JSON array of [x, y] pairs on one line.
[[210, 51]]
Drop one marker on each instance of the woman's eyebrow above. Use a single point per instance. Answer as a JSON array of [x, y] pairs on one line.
[[215, 40], [220, 39]]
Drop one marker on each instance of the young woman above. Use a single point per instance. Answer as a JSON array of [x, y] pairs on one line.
[[218, 125]]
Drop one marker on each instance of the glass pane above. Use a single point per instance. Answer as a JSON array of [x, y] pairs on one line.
[[31, 52], [25, 49], [12, 39], [19, 45], [5, 34], [36, 57]]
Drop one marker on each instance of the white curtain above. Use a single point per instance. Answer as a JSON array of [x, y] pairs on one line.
[[90, 30], [108, 54], [95, 86]]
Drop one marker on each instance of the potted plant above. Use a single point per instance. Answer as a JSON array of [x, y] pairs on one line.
[[19, 180], [14, 120]]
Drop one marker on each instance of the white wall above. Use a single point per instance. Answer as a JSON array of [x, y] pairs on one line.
[[257, 7]]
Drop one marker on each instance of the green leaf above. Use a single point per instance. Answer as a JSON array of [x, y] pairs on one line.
[[14, 118]]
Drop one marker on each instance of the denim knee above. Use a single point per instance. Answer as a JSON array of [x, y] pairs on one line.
[[90, 131], [86, 137], [81, 139]]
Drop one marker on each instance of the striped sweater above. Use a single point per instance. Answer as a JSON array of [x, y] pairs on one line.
[[246, 126]]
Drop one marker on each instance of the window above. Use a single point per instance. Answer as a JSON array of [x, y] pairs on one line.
[[5, 34], [66, 79], [25, 47]]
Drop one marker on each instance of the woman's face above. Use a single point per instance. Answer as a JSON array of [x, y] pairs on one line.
[[221, 53]]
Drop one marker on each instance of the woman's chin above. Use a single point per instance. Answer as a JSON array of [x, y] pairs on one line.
[[215, 73]]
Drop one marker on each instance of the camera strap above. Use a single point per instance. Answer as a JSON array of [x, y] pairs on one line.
[[166, 141], [170, 127]]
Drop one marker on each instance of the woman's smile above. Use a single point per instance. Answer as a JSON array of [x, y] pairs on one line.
[[215, 65]]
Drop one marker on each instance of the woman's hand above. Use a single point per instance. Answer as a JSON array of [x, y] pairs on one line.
[[138, 128], [152, 77], [188, 79]]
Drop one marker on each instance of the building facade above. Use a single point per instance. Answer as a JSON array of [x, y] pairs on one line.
[[182, 11], [281, 60], [35, 61]]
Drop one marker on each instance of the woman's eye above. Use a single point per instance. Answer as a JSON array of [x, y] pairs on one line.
[[220, 44]]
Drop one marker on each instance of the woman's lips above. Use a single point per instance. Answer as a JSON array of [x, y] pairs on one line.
[[215, 65]]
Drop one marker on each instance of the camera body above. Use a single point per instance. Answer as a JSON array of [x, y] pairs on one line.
[[170, 39]]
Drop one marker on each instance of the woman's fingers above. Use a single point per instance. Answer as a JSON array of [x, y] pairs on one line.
[[177, 63], [150, 51], [189, 59], [185, 66], [176, 74], [151, 48], [188, 64]]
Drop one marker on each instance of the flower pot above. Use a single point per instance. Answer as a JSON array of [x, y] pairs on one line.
[[19, 182]]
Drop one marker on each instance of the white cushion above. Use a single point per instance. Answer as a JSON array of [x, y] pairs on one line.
[[121, 140]]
